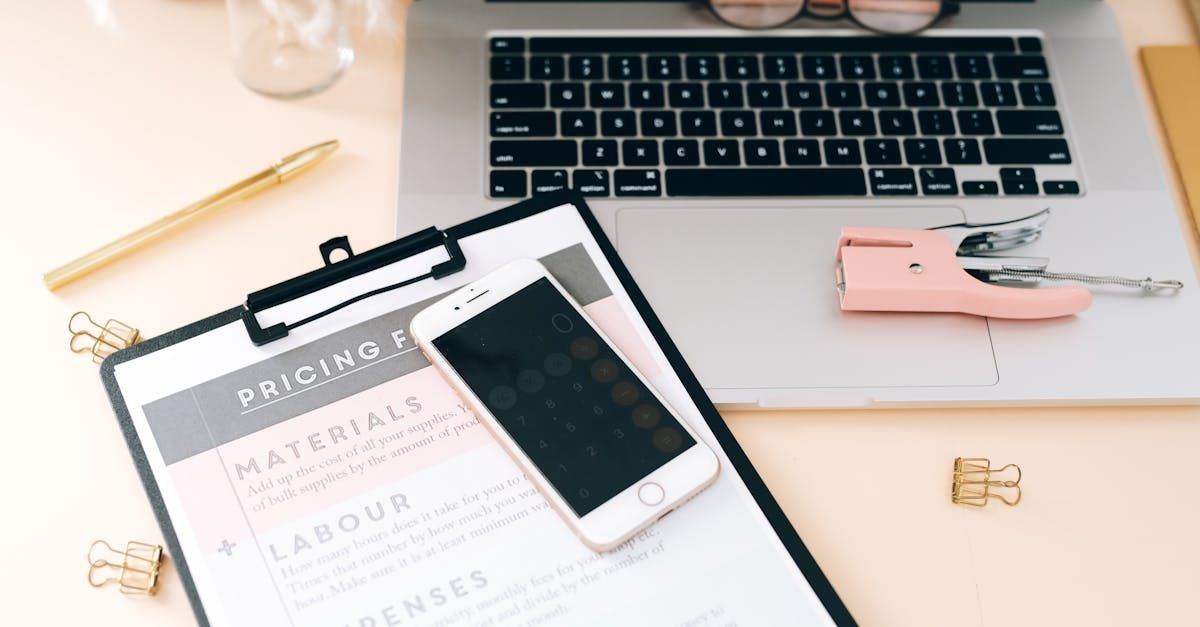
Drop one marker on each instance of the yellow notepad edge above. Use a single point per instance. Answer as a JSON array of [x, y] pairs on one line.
[[1173, 73]]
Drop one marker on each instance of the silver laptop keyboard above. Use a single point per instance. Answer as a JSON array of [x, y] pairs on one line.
[[775, 116]]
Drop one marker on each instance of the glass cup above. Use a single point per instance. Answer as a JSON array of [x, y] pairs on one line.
[[289, 48]]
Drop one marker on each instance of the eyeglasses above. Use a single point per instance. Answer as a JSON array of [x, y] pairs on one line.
[[888, 17]]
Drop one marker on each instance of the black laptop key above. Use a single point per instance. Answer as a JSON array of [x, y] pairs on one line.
[[896, 67], [1028, 66], [523, 124], [607, 95], [698, 123], [646, 95], [703, 67], [921, 95], [738, 123], [1029, 44], [637, 183], [1018, 173], [658, 124], [556, 152], [549, 181], [892, 181], [508, 68], [1019, 187], [686, 95], [547, 68], [897, 122], [664, 67], [802, 152], [639, 152], [938, 181], [857, 122], [998, 94], [741, 67], [507, 184], [882, 94], [804, 95], [590, 182], [761, 151], [567, 95], [507, 44], [722, 95], [721, 152], [818, 67], [1035, 94], [764, 95], [858, 67], [766, 182], [578, 123], [599, 152], [625, 67], [842, 152], [681, 152], [1060, 187], [935, 66], [1029, 122], [936, 122], [618, 123], [959, 94], [777, 123], [586, 67], [975, 122], [818, 123], [882, 151], [922, 151], [962, 151], [1026, 151], [781, 67], [972, 66], [980, 188], [518, 95], [843, 95]]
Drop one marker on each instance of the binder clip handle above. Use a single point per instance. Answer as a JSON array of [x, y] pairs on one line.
[[884, 269]]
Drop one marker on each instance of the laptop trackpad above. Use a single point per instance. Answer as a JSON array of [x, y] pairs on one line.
[[749, 297]]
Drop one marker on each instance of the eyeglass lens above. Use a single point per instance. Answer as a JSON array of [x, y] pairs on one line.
[[885, 16]]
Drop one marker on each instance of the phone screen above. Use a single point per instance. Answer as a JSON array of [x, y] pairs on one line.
[[566, 398]]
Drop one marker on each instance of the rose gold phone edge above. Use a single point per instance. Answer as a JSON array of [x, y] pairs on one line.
[[504, 282]]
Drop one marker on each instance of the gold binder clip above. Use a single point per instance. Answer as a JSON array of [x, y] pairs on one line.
[[135, 568], [975, 482], [88, 336]]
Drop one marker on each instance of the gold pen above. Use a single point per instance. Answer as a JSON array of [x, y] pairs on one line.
[[285, 169]]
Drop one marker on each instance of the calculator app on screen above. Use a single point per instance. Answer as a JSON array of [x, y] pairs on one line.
[[576, 408]]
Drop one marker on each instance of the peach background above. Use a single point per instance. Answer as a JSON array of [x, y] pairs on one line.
[[109, 128]]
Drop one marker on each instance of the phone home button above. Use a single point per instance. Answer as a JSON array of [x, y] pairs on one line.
[[651, 493]]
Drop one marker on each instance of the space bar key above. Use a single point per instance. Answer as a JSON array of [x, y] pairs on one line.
[[766, 182]]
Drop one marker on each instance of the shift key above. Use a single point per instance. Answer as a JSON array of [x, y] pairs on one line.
[[1026, 151], [534, 153]]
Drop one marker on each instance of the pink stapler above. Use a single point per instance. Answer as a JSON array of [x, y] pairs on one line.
[[947, 269]]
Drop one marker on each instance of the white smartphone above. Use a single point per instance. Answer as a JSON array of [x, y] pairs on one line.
[[600, 443]]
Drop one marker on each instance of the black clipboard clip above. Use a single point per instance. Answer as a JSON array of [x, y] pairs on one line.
[[337, 271]]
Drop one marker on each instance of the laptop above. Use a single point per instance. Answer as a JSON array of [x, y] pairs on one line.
[[723, 164]]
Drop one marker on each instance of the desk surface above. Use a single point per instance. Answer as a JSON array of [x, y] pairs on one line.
[[111, 126]]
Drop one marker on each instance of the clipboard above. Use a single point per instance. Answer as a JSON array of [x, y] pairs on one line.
[[741, 492]]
